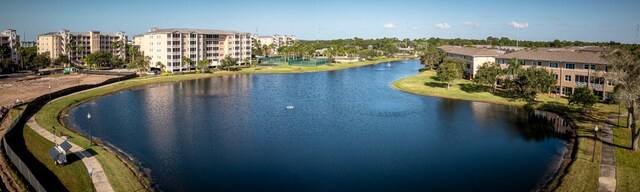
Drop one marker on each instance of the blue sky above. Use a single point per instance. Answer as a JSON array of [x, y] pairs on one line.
[[587, 20]]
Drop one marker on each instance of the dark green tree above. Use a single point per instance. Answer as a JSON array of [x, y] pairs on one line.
[[489, 74], [532, 81], [448, 72], [584, 97]]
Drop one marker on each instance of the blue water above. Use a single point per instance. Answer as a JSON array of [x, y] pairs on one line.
[[349, 131]]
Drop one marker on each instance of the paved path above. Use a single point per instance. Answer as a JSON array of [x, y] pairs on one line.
[[607, 180], [98, 177]]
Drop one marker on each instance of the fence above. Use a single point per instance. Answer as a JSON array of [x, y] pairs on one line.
[[30, 109], [310, 62], [273, 60]]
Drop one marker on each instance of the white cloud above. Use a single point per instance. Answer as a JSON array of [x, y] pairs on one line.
[[444, 25], [517, 25], [389, 26], [471, 24]]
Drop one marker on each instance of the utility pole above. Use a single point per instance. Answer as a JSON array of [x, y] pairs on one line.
[[516, 26]]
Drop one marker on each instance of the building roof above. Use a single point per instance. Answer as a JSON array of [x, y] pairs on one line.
[[557, 54], [187, 30], [81, 33], [468, 51]]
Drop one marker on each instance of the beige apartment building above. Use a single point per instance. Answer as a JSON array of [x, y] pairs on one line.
[[81, 44], [573, 67], [276, 40], [474, 57], [169, 46], [10, 38]]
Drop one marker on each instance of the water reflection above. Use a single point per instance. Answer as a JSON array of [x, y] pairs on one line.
[[349, 131]]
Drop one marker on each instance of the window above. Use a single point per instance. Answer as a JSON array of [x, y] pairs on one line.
[[539, 63], [570, 66], [607, 68], [597, 80], [593, 67], [582, 78], [553, 65], [567, 91], [586, 66], [192, 42], [468, 66], [556, 75], [567, 78], [610, 83]]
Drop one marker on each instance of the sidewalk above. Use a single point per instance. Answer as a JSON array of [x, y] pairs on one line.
[[607, 179], [98, 177]]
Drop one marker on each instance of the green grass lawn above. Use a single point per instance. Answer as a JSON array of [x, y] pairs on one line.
[[583, 173], [285, 68], [627, 161], [74, 176]]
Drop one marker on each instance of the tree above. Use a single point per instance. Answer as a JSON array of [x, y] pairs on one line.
[[42, 60], [514, 67], [625, 74], [71, 44], [489, 73], [99, 58], [431, 57], [532, 81], [61, 60], [227, 61], [448, 72], [583, 96], [186, 61], [160, 66], [203, 65]]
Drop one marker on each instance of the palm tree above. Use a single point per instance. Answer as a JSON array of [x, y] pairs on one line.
[[186, 61], [160, 65], [71, 44], [514, 67]]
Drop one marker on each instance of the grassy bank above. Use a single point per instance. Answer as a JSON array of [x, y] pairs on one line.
[[73, 175], [118, 172], [583, 172], [627, 161], [285, 68]]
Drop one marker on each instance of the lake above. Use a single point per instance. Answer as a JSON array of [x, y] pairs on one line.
[[349, 130]]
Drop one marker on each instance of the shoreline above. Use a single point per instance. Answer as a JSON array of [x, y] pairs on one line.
[[556, 179], [142, 173]]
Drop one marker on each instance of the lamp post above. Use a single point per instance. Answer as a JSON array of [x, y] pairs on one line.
[[49, 93], [90, 139]]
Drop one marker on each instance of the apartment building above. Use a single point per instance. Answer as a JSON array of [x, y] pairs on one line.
[[10, 38], [80, 44], [169, 46], [474, 57], [572, 67], [276, 40]]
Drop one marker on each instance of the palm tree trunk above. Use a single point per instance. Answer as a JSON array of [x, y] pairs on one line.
[[634, 133], [493, 87], [628, 120]]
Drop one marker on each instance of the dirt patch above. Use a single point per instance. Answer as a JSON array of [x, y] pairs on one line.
[[28, 88], [25, 89]]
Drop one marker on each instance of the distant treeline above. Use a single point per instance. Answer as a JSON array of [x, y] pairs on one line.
[[417, 43]]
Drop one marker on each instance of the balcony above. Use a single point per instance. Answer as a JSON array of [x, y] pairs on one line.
[[599, 87]]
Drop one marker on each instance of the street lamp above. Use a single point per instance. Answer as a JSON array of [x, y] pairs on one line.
[[49, 93], [90, 139]]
